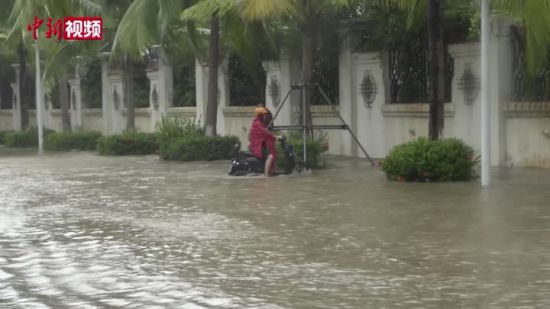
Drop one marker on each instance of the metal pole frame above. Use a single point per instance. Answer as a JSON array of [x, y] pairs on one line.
[[304, 127], [281, 106], [342, 120]]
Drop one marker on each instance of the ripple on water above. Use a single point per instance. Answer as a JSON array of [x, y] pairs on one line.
[[139, 233]]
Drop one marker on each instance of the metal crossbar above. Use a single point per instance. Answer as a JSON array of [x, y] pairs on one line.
[[298, 127], [304, 128]]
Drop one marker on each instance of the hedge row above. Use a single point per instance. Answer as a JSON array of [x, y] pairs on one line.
[[3, 136], [174, 140], [200, 148], [427, 161], [72, 140], [185, 140], [27, 138], [128, 143]]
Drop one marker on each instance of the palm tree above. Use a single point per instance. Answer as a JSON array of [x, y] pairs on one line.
[[62, 57], [436, 56], [143, 24], [227, 32], [23, 12], [533, 14], [18, 40], [210, 11], [431, 11], [306, 14], [58, 52], [213, 64]]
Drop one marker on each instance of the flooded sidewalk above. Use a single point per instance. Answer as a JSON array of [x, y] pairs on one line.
[[78, 230]]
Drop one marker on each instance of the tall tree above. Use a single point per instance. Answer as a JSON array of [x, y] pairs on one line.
[[213, 64], [306, 14], [436, 56], [190, 28], [23, 13], [62, 85], [210, 12], [140, 25], [26, 95], [534, 14], [62, 55]]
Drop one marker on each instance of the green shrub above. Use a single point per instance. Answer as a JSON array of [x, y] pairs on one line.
[[315, 147], [185, 140], [27, 138], [3, 136], [196, 148], [128, 143], [170, 130], [427, 161], [72, 140]]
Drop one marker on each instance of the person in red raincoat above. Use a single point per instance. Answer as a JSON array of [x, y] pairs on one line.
[[262, 141]]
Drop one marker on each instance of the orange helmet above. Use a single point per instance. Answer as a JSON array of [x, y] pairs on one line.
[[261, 111]]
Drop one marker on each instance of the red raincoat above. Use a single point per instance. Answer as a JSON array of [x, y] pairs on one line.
[[259, 137]]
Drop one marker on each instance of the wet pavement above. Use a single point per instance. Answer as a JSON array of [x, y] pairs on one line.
[[78, 230]]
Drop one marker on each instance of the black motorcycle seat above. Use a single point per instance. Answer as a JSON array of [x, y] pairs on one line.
[[247, 154]]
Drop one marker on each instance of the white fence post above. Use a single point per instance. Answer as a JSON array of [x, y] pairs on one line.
[[159, 72]]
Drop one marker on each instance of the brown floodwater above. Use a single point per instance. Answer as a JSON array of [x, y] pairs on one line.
[[78, 230]]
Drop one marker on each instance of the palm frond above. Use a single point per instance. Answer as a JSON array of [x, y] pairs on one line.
[[57, 60], [416, 14], [535, 16], [138, 29], [261, 9], [197, 41], [88, 7], [205, 9], [167, 14], [537, 24], [328, 5]]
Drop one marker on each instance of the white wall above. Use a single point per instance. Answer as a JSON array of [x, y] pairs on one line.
[[237, 122], [520, 131], [528, 134], [382, 125], [182, 112], [6, 120], [92, 119]]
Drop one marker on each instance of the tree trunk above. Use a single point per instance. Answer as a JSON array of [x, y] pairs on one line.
[[213, 55], [437, 69], [129, 94], [62, 84], [24, 99], [307, 72]]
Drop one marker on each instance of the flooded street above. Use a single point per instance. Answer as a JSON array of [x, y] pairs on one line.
[[82, 231]]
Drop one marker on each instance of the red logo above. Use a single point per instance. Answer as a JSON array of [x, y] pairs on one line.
[[71, 28], [83, 28]]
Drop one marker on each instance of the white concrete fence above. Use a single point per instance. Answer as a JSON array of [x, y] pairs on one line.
[[520, 131]]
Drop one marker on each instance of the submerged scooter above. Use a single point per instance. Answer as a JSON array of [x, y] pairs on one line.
[[245, 163]]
